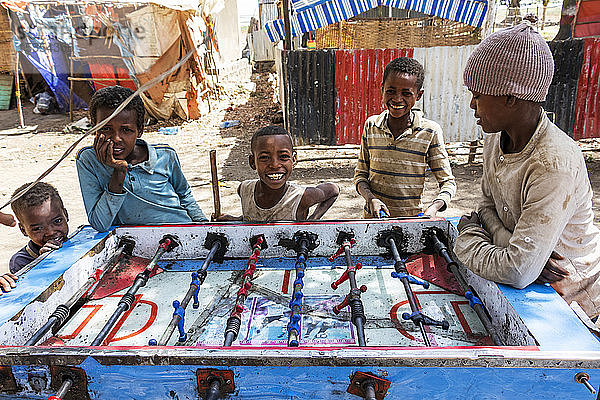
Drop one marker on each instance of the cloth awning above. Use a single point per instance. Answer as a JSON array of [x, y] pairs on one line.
[[314, 14]]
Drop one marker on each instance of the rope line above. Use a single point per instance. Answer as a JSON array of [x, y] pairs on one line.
[[99, 125]]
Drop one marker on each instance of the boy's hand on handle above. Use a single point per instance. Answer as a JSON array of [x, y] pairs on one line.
[[376, 206], [468, 220], [225, 217], [7, 219], [50, 245], [434, 208], [104, 151], [8, 281], [552, 271]]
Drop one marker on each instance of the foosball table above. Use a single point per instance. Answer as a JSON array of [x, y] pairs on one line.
[[352, 309]]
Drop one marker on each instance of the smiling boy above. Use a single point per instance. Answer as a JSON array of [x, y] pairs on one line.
[[398, 145], [43, 219], [271, 197], [123, 179]]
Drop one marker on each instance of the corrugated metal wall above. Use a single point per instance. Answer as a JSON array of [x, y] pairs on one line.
[[446, 99], [331, 93], [562, 96], [310, 96], [358, 75], [587, 111]]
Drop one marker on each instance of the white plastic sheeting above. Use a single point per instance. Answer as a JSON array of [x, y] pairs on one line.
[[446, 99]]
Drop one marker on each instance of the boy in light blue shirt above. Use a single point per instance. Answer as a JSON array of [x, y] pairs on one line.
[[123, 179]]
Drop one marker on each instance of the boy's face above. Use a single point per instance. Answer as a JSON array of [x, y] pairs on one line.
[[47, 221], [491, 111], [273, 158], [122, 130], [400, 93]]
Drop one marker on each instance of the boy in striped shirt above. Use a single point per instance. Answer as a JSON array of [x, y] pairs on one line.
[[396, 148]]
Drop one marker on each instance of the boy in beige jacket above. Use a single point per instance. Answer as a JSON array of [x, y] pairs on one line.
[[535, 220]]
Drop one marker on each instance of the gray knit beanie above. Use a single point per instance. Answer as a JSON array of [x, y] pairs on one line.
[[514, 61]]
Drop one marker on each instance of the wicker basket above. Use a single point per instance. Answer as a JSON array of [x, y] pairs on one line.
[[396, 33], [7, 62]]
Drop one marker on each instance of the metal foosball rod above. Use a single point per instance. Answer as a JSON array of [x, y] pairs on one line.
[[166, 244], [234, 322], [416, 315], [439, 248], [304, 242], [352, 299], [60, 315], [63, 390], [217, 244]]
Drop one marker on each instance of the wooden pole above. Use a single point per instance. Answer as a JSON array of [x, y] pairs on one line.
[[287, 45], [71, 67], [71, 87], [215, 183], [472, 151], [18, 93], [27, 87]]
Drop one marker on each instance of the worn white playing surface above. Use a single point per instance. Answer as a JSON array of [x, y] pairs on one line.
[[266, 313]]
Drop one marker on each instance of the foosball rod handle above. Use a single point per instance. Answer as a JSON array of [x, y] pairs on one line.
[[232, 330]]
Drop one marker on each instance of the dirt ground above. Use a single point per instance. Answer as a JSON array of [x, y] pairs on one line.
[[24, 157]]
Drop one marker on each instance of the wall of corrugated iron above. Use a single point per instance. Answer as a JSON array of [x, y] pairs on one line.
[[332, 93], [446, 99], [310, 95], [358, 75], [562, 95], [587, 111]]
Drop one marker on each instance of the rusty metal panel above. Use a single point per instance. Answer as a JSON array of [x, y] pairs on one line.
[[446, 99], [310, 96], [588, 93], [358, 75], [562, 95]]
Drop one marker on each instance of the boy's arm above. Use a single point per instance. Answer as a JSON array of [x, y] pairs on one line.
[[531, 244], [437, 158], [184, 191], [361, 179], [101, 205], [324, 195], [7, 219]]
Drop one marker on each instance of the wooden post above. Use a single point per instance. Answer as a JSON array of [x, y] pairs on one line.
[[215, 183], [71, 87], [472, 151], [71, 66], [18, 93], [29, 92], [287, 44]]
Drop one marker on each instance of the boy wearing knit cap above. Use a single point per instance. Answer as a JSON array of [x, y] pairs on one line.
[[535, 220]]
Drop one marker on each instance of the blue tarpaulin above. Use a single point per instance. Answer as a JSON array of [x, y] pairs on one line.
[[314, 14], [47, 52]]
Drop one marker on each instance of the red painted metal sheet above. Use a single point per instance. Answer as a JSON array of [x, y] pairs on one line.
[[358, 75], [588, 93], [107, 71]]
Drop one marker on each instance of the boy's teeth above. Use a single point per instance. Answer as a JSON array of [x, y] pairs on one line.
[[275, 177]]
